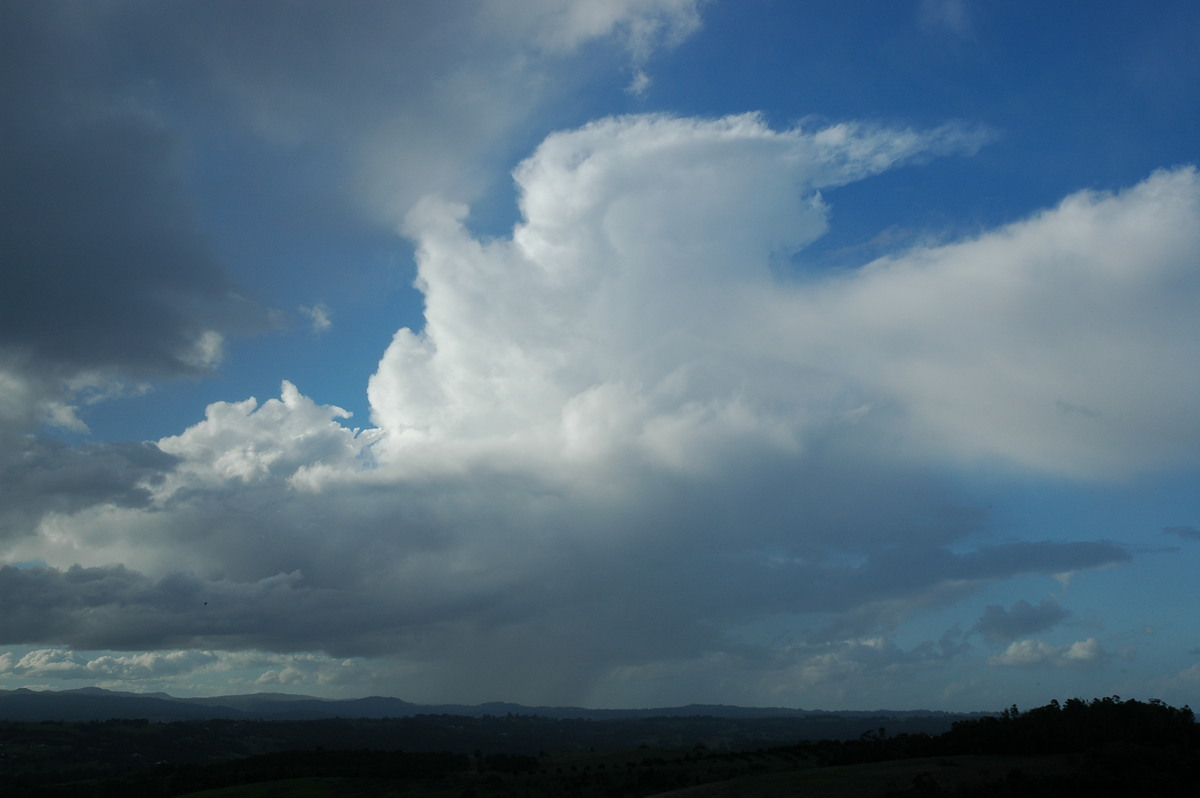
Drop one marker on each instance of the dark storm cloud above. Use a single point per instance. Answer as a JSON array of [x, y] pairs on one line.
[[1023, 619], [117, 608], [107, 273]]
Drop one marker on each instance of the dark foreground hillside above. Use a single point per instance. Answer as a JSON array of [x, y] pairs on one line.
[[1102, 747]]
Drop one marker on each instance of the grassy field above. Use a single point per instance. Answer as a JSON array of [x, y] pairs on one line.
[[770, 777], [930, 776]]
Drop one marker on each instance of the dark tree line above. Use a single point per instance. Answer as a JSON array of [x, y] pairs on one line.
[[1115, 747], [1075, 727]]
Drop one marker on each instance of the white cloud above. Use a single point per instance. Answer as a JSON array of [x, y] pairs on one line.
[[318, 314], [149, 664], [1084, 654], [1053, 344], [289, 437], [634, 309], [54, 663], [640, 84]]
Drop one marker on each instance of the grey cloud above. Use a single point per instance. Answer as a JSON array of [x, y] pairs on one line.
[[475, 570], [497, 583], [1000, 625], [40, 476], [119, 609], [108, 269], [900, 570], [1042, 557], [407, 99], [108, 275], [441, 576], [1187, 532]]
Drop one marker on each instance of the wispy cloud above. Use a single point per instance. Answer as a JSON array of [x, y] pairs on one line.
[[1186, 532], [948, 15]]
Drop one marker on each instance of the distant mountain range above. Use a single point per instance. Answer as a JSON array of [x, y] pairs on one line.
[[94, 703]]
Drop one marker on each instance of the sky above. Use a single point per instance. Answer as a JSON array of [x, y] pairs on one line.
[[612, 353]]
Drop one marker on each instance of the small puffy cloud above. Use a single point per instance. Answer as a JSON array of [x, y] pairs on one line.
[[1024, 653], [639, 85], [1084, 654], [1081, 655], [318, 315], [998, 624], [1189, 676]]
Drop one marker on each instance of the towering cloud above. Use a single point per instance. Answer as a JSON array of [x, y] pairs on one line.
[[635, 308]]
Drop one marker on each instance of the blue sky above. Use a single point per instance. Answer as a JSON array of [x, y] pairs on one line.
[[611, 353]]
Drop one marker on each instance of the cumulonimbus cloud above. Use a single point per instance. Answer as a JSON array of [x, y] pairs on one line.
[[625, 435]]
